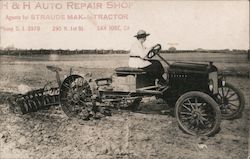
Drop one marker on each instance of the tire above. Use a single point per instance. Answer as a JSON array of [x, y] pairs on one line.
[[198, 114], [231, 101], [75, 97]]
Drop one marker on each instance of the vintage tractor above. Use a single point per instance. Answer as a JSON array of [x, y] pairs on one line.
[[199, 96]]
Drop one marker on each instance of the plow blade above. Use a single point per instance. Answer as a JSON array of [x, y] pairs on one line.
[[36, 100]]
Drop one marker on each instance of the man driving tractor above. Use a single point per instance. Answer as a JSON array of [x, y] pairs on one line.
[[138, 58]]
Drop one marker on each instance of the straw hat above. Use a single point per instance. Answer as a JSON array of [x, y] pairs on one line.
[[141, 34]]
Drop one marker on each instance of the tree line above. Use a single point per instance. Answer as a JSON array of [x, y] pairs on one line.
[[20, 52]]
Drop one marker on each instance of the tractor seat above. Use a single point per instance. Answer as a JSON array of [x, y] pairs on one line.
[[129, 70]]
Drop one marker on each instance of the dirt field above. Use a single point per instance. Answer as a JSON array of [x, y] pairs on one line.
[[146, 134]]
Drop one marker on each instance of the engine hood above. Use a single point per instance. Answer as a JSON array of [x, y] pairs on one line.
[[192, 67]]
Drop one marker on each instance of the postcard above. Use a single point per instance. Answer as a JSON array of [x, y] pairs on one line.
[[124, 79]]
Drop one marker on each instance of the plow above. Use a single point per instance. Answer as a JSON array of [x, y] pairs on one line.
[[38, 99], [49, 95]]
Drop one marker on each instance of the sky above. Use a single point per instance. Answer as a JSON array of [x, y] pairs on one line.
[[180, 24]]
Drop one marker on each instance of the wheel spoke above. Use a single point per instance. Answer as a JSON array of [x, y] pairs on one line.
[[196, 103], [204, 115], [202, 105], [68, 100], [187, 118], [220, 96], [233, 107], [186, 113], [201, 121], [236, 99], [191, 123], [71, 80], [203, 110], [191, 104], [82, 102], [197, 122], [231, 95], [82, 94], [186, 107], [73, 109], [204, 119], [228, 90], [65, 85], [228, 111]]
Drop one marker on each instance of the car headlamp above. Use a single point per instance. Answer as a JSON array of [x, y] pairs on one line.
[[223, 81], [211, 85]]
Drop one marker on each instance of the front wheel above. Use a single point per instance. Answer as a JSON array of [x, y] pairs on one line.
[[231, 101], [198, 114]]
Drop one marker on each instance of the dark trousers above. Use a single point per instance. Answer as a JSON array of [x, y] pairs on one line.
[[155, 70]]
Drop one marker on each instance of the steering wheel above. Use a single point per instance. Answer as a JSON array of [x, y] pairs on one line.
[[155, 50]]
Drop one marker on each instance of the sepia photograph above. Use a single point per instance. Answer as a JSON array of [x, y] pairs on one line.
[[124, 79]]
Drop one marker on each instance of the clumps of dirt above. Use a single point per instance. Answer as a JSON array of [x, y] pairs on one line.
[[10, 100], [6, 97]]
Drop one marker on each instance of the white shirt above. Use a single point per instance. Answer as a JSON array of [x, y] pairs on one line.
[[137, 49]]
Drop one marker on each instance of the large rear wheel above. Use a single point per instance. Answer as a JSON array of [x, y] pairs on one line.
[[75, 97], [198, 114]]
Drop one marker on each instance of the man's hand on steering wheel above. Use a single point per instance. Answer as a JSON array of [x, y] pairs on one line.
[[155, 50]]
